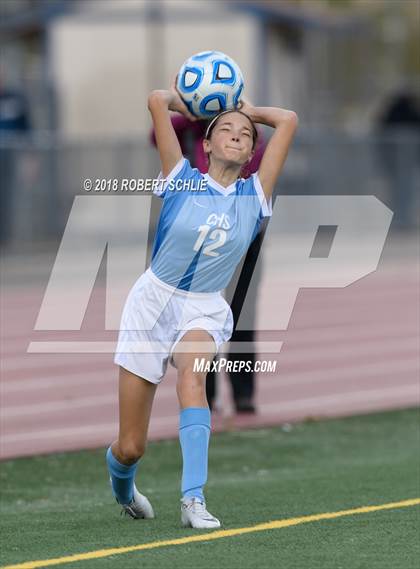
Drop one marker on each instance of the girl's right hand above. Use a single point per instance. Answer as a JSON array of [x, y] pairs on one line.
[[177, 104]]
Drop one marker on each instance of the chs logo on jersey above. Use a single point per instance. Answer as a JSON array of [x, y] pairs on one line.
[[221, 221]]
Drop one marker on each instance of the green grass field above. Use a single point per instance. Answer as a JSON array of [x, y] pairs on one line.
[[59, 505]]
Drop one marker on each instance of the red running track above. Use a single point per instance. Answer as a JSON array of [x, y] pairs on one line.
[[346, 351]]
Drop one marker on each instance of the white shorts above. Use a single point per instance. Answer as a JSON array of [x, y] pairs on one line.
[[155, 318]]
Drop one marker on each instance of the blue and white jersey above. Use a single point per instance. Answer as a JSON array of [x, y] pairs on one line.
[[202, 234]]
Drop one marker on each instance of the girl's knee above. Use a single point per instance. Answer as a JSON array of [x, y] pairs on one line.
[[130, 451]]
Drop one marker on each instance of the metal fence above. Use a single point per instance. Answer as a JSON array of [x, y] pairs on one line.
[[41, 175]]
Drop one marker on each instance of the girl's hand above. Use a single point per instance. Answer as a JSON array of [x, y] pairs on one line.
[[248, 109], [177, 104]]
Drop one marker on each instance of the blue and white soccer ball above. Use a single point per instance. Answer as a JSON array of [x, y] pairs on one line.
[[210, 82]]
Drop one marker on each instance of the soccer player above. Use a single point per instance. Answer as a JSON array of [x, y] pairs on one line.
[[190, 135], [176, 308]]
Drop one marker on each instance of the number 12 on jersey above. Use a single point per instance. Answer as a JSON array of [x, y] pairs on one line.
[[218, 237]]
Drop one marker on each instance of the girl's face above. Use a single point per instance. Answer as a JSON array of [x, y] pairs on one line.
[[231, 140]]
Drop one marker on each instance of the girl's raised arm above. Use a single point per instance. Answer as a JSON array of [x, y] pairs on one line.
[[160, 103], [285, 123]]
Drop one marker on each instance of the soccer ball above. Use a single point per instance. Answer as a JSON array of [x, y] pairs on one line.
[[210, 82]]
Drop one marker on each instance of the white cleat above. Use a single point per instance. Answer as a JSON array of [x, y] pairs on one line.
[[195, 515], [139, 507]]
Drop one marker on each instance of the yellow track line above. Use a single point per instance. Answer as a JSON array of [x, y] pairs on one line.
[[211, 535]]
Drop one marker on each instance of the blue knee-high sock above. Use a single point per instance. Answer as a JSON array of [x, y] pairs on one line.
[[194, 436], [122, 478]]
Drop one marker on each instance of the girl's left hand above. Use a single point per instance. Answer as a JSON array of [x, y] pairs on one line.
[[248, 109]]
